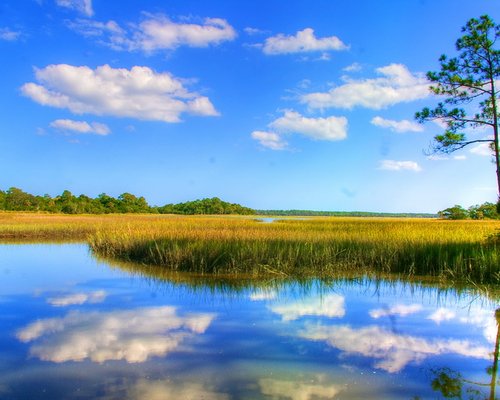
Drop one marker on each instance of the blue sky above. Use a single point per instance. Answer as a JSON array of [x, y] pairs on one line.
[[271, 104]]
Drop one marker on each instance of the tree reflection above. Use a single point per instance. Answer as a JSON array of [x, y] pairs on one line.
[[451, 384]]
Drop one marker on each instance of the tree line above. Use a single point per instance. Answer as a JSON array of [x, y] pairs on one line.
[[480, 211], [15, 199]]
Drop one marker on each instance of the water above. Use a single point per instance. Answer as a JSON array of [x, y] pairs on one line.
[[73, 327]]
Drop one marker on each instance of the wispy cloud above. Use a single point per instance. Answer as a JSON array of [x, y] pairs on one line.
[[82, 6], [9, 35], [156, 32], [393, 165], [299, 390], [397, 126], [139, 93], [302, 42], [395, 85], [81, 126], [401, 310], [354, 67], [77, 299]]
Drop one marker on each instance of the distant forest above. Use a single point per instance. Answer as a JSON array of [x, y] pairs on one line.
[[310, 213], [15, 199]]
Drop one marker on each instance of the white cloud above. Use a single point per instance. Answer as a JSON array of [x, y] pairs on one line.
[[297, 390], [82, 6], [330, 128], [392, 165], [399, 309], [77, 298], [81, 126], [397, 84], [253, 31], [354, 67], [9, 35], [136, 93], [397, 126], [131, 335], [157, 32], [483, 149], [442, 314], [303, 41], [393, 351], [161, 390], [270, 140], [331, 306]]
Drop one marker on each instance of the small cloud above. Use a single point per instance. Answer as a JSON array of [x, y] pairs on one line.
[[354, 67], [483, 149], [81, 126], [271, 140], [442, 314], [331, 306], [397, 126], [392, 165], [82, 6], [302, 42], [330, 128], [460, 158], [260, 295], [299, 390], [254, 31], [395, 85], [9, 35], [401, 310], [77, 299]]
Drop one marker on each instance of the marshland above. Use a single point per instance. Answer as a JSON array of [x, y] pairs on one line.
[[458, 251]]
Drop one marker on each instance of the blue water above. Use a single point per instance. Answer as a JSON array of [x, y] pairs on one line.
[[73, 327]]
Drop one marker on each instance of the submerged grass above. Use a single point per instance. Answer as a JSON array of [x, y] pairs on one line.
[[317, 247]]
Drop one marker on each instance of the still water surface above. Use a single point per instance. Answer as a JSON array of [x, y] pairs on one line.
[[73, 327]]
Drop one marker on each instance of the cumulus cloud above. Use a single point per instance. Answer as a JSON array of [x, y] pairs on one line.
[[136, 93], [77, 298], [401, 310], [82, 6], [331, 306], [395, 85], [271, 140], [161, 390], [297, 390], [330, 128], [130, 335], [397, 126], [157, 32], [393, 351], [81, 126], [9, 35], [392, 165], [302, 42]]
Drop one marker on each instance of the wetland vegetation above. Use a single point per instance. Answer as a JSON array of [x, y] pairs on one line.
[[316, 247]]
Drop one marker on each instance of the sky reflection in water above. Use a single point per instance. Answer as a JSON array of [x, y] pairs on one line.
[[74, 327]]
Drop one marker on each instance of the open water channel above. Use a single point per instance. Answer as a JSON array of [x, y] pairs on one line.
[[74, 327]]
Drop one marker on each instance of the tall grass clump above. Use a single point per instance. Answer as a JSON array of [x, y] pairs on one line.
[[457, 250]]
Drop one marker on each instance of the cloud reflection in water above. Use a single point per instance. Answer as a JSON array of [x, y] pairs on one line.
[[130, 335]]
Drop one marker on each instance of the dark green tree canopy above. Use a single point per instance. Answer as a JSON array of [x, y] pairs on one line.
[[469, 85]]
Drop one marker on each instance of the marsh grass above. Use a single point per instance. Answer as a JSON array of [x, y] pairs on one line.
[[321, 247], [316, 247]]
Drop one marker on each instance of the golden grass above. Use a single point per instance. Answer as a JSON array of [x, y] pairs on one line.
[[460, 250]]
